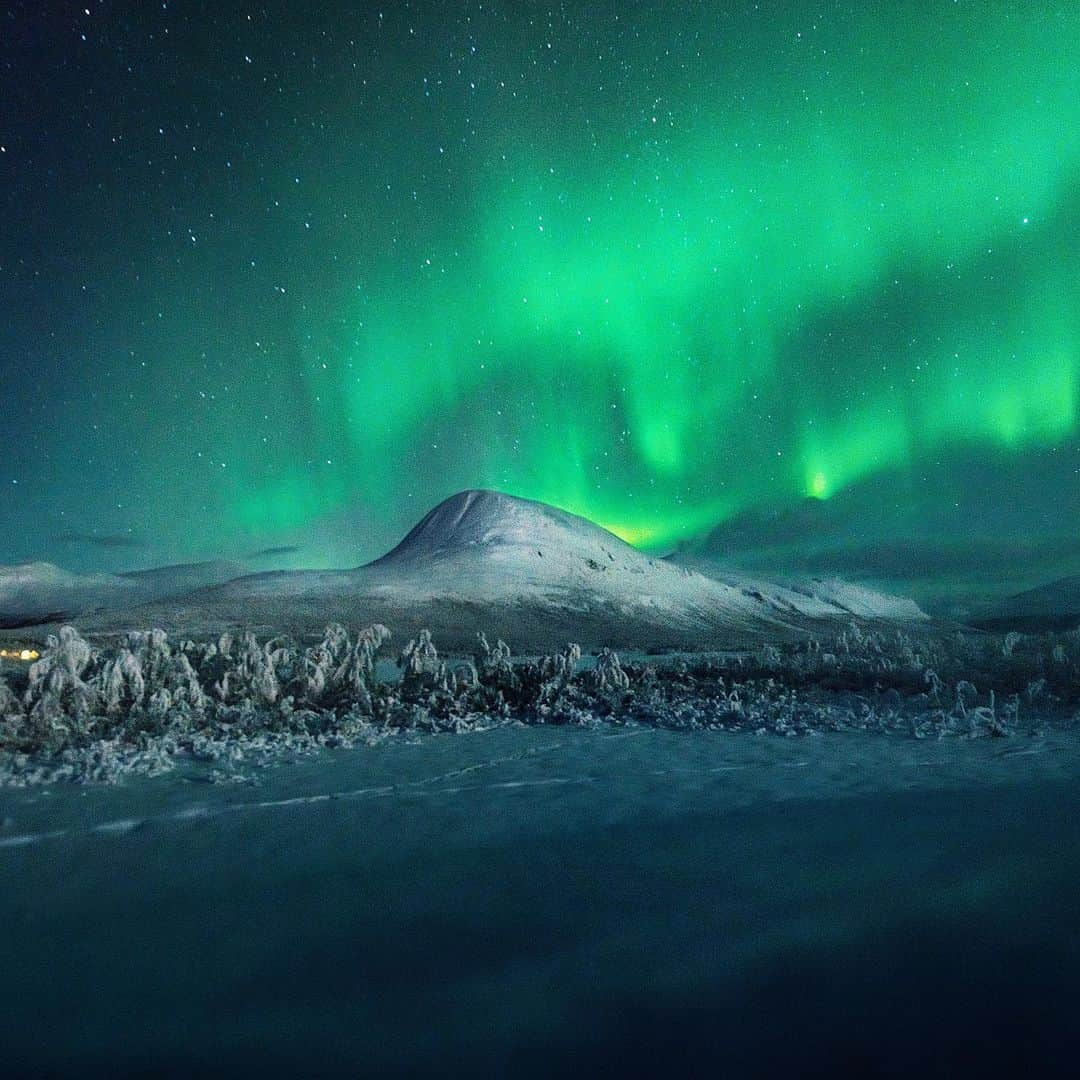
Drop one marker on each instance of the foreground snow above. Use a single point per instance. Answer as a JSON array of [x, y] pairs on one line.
[[536, 901]]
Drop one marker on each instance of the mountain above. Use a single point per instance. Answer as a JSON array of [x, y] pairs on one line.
[[837, 597], [38, 592], [530, 573], [33, 593], [485, 545], [956, 534], [1054, 606], [163, 581]]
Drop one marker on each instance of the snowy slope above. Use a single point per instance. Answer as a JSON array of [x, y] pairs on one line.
[[820, 597], [40, 591], [523, 570], [527, 545], [33, 592], [860, 600], [164, 581]]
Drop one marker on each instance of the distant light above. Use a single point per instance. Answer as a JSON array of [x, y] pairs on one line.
[[819, 485], [25, 655]]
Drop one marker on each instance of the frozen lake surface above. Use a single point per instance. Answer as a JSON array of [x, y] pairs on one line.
[[542, 901]]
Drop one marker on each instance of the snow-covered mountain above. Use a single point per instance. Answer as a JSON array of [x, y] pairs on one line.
[[39, 592], [832, 595], [528, 572], [484, 543], [162, 581], [959, 534]]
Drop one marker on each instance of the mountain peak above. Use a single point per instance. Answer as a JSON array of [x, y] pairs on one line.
[[485, 518], [37, 573]]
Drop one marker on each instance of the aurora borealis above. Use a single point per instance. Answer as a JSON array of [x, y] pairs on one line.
[[274, 276]]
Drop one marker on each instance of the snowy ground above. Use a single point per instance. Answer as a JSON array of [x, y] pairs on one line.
[[540, 901], [857, 853]]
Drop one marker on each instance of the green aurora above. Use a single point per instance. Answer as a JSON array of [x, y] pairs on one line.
[[638, 337], [655, 271]]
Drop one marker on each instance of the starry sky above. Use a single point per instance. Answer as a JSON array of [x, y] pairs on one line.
[[276, 278]]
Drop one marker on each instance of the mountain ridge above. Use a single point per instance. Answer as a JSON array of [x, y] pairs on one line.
[[531, 573]]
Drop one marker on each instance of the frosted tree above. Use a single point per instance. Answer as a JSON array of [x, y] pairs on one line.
[[336, 641], [987, 716], [608, 673], [151, 647], [10, 706], [420, 666], [121, 682], [466, 677], [556, 673], [55, 688], [257, 666], [149, 671], [966, 696], [251, 680], [183, 683], [562, 665], [494, 664], [354, 676], [768, 656], [317, 666], [933, 684]]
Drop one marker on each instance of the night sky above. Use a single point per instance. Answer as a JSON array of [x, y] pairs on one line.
[[283, 276]]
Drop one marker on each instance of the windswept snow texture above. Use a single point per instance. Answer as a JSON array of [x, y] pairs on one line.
[[831, 596], [484, 561]]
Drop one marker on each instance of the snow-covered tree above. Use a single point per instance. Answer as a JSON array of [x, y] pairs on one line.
[[10, 706], [420, 665], [55, 687], [352, 679], [494, 665], [608, 673], [121, 682]]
